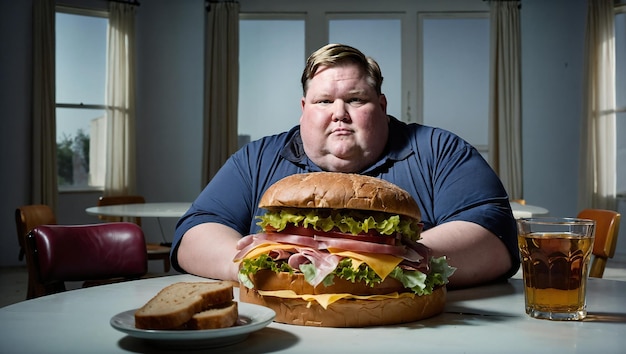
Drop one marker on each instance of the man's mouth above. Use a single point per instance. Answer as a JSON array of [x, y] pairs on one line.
[[342, 131]]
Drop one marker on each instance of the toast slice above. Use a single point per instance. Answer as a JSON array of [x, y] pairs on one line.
[[176, 304], [215, 317]]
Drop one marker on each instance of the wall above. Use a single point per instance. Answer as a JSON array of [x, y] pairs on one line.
[[15, 103], [552, 59], [169, 107]]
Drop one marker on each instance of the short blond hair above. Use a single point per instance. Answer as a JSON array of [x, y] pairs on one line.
[[338, 54]]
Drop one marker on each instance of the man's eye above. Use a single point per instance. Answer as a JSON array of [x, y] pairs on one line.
[[324, 101], [356, 100]]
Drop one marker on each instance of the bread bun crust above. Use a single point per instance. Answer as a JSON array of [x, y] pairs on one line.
[[269, 280], [350, 313], [334, 190]]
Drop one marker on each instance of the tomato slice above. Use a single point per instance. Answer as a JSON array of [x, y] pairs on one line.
[[371, 236]]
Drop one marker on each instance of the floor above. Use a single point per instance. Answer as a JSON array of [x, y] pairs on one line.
[[13, 280]]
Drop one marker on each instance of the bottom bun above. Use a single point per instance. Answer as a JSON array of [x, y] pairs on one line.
[[349, 313]]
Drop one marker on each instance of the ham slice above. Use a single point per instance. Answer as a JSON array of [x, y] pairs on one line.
[[312, 250], [407, 253], [324, 262]]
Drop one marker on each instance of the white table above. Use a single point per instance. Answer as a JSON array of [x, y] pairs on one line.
[[143, 210], [154, 210], [477, 320], [527, 211]]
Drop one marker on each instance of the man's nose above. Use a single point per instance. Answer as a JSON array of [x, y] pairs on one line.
[[339, 111]]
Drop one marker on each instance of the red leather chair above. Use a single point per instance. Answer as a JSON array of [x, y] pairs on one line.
[[155, 251], [95, 254]]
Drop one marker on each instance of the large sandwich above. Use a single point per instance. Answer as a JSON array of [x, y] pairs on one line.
[[341, 250]]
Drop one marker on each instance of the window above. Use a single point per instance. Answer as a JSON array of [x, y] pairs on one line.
[[422, 50], [271, 58], [81, 39], [455, 72]]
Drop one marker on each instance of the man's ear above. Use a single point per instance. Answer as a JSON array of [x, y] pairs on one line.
[[382, 100]]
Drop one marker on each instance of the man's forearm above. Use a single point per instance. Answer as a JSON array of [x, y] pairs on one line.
[[207, 250], [478, 255]]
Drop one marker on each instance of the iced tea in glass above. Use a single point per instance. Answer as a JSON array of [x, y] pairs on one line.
[[555, 256]]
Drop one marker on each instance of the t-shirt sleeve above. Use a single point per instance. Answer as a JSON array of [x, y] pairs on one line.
[[465, 187], [226, 200]]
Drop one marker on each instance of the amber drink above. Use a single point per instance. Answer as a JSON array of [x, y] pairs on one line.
[[555, 256]]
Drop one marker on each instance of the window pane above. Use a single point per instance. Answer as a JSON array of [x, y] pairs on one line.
[[80, 146], [80, 58], [380, 39], [271, 59], [456, 76]]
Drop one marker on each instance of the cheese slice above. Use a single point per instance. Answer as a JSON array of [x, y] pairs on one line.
[[326, 299], [382, 264]]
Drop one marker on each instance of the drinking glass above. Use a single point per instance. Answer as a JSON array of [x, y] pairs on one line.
[[555, 256]]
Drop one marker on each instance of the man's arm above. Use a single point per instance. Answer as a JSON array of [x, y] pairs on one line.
[[478, 254], [208, 249]]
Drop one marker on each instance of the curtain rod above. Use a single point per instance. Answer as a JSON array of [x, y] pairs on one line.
[[209, 2], [129, 2]]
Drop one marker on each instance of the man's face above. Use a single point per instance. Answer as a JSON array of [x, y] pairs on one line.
[[344, 121]]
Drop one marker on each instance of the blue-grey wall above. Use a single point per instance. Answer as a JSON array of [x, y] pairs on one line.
[[169, 107]]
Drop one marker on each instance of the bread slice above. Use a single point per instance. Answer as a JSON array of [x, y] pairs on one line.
[[215, 317], [173, 306]]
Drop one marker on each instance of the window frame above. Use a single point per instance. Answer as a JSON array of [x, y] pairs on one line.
[[89, 12]]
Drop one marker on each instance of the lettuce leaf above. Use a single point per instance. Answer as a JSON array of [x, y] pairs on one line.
[[346, 221], [420, 283]]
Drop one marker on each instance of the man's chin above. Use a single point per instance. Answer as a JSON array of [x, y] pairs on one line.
[[340, 161]]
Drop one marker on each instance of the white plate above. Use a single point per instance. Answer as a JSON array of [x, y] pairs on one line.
[[251, 318]]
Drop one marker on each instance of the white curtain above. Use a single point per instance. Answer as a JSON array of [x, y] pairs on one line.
[[44, 161], [221, 86], [598, 141], [120, 100], [505, 96]]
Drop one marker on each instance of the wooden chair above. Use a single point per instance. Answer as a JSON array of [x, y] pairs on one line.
[[27, 217], [607, 228], [94, 253], [155, 251]]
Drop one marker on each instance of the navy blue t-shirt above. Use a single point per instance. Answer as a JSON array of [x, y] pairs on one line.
[[448, 178]]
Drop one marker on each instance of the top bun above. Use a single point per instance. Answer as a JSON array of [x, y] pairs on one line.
[[334, 190]]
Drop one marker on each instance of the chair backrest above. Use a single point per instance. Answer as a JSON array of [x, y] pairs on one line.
[[607, 228], [60, 253], [121, 199], [27, 217]]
